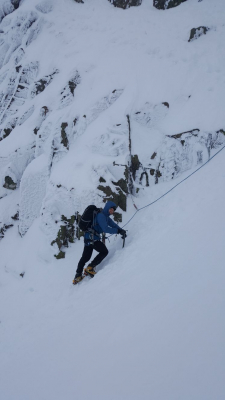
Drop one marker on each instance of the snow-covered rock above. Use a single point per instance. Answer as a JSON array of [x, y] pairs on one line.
[[13, 165], [166, 4], [45, 6], [7, 7], [32, 192], [195, 33], [125, 3]]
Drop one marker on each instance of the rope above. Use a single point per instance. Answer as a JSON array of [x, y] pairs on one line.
[[133, 201], [155, 201]]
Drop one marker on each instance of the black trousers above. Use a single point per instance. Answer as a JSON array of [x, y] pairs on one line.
[[87, 253]]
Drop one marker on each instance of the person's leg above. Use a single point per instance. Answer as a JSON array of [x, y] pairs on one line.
[[87, 253], [103, 252]]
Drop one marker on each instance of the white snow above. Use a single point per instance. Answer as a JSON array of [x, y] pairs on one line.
[[32, 192], [150, 325]]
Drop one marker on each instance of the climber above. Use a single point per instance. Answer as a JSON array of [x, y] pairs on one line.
[[102, 224]]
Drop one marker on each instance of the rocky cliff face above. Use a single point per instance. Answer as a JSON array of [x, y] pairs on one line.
[[75, 128]]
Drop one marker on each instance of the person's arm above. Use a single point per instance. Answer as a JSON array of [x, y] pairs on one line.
[[121, 231], [113, 224], [111, 228]]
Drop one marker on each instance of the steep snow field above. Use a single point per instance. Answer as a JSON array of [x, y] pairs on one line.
[[150, 325]]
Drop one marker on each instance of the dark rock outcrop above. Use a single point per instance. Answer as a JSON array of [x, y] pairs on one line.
[[125, 3], [195, 33], [15, 3], [42, 116], [221, 131], [193, 132], [122, 184], [64, 137], [66, 235], [119, 196], [60, 255], [16, 216], [67, 93], [8, 128], [165, 4], [9, 183], [40, 86], [135, 165], [3, 229]]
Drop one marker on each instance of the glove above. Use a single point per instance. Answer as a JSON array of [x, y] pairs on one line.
[[122, 232]]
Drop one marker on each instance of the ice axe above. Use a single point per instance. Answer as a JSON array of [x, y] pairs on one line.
[[124, 237]]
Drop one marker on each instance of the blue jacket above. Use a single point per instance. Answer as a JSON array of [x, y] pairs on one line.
[[103, 223]]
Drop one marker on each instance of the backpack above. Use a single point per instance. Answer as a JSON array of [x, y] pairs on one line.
[[87, 218]]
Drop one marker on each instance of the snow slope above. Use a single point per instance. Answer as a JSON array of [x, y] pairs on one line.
[[150, 325]]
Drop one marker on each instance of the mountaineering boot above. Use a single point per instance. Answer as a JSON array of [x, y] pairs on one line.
[[90, 271], [77, 279]]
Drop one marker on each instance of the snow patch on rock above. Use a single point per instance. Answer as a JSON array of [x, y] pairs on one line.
[[45, 6], [32, 192]]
